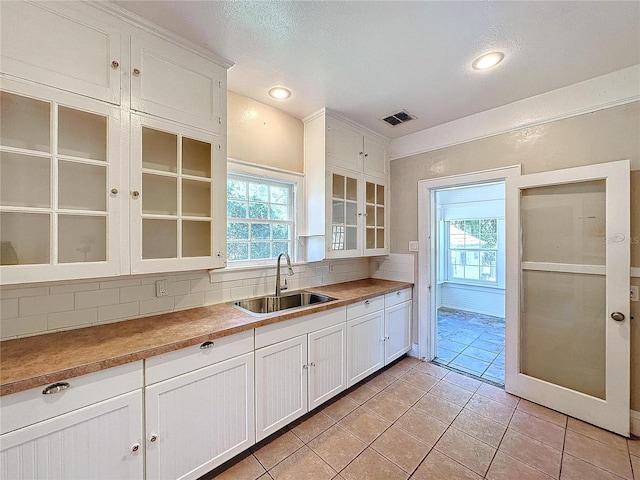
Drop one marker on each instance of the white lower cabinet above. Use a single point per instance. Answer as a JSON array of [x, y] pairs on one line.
[[84, 428], [197, 420], [365, 344], [301, 365], [397, 331]]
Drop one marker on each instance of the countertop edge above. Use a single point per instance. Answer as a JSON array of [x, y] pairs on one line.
[[133, 356]]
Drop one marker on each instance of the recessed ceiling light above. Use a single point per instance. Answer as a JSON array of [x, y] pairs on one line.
[[487, 61], [280, 93]]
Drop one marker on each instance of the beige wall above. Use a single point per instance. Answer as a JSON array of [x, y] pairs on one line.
[[602, 136], [258, 133]]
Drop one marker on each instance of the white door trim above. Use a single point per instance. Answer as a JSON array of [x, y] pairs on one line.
[[426, 248], [611, 412]]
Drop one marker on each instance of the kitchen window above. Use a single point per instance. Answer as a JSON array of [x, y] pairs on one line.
[[261, 213], [472, 246]]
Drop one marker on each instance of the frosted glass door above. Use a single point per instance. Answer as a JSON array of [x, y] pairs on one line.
[[344, 215], [567, 346]]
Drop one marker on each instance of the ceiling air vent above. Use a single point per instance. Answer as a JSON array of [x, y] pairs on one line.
[[398, 118]]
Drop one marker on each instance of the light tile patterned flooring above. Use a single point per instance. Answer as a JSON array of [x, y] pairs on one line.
[[420, 421], [472, 343]]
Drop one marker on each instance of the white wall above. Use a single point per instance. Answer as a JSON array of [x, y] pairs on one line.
[[472, 298]]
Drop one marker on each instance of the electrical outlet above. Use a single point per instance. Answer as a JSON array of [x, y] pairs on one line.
[[161, 288], [332, 267], [635, 293]]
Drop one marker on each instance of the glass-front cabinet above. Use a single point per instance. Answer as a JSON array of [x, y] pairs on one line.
[[175, 174], [356, 215], [59, 186]]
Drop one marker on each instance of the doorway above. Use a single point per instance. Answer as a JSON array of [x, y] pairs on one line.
[[469, 277]]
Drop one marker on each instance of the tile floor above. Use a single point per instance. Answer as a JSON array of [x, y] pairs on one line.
[[472, 343], [420, 421]]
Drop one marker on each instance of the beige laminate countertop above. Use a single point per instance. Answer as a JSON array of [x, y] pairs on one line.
[[34, 361]]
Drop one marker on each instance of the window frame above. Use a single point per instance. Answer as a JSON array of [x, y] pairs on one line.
[[497, 283], [248, 171]]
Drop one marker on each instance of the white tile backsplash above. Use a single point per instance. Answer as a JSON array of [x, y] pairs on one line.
[[32, 310]]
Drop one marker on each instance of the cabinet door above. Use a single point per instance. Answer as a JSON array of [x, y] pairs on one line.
[[178, 198], [365, 346], [375, 158], [281, 385], [327, 364], [60, 191], [376, 216], [170, 82], [101, 441], [344, 214], [198, 420], [55, 45], [344, 146], [397, 326]]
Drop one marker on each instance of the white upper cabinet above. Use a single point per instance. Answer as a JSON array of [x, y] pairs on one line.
[[52, 44], [169, 82], [375, 161]]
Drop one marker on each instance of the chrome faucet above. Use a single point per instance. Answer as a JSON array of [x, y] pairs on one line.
[[279, 287]]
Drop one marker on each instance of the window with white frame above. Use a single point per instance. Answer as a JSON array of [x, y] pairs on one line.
[[472, 246], [260, 218]]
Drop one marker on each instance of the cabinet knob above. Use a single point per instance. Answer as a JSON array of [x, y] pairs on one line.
[[304, 367], [618, 316], [206, 345], [360, 153], [367, 302], [312, 364], [115, 64], [398, 293], [55, 388], [153, 437], [135, 447], [114, 191], [135, 194], [366, 155], [136, 71]]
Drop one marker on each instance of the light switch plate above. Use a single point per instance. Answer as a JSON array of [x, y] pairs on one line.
[[413, 246]]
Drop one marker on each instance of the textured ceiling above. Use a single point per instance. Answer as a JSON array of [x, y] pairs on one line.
[[368, 59]]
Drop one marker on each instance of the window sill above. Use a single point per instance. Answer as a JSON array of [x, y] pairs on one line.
[[471, 284], [247, 268]]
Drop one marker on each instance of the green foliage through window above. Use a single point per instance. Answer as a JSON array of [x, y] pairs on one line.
[[259, 218]]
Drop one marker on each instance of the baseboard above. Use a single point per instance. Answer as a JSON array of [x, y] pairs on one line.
[[635, 423]]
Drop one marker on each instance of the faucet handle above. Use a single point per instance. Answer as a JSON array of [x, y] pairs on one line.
[[285, 286]]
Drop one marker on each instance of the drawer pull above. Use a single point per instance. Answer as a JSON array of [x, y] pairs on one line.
[[398, 293], [367, 302], [55, 388], [135, 447], [206, 345], [153, 437]]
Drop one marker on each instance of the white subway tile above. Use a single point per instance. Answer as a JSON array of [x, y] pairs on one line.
[[242, 292], [73, 287], [196, 275], [30, 306], [8, 308], [77, 318], [8, 292], [155, 278], [23, 326], [192, 300], [127, 282], [322, 270], [204, 285], [217, 296], [157, 305], [141, 292], [178, 288], [120, 311], [97, 298]]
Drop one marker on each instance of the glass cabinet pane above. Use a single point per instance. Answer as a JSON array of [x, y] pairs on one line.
[[159, 195], [24, 238], [351, 215], [380, 194], [380, 216], [82, 186], [379, 238], [82, 134], [371, 216], [26, 122], [351, 238], [25, 180], [371, 238], [196, 239], [159, 150], [338, 212], [159, 238], [371, 192], [338, 186], [82, 239], [352, 189], [564, 223], [196, 158], [196, 198]]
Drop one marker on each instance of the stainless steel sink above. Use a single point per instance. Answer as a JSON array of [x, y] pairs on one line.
[[271, 303]]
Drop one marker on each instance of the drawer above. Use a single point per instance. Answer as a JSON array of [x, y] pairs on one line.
[[278, 332], [394, 298], [365, 307], [176, 363], [31, 406]]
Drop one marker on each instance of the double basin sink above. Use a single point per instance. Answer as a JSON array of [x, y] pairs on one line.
[[271, 304]]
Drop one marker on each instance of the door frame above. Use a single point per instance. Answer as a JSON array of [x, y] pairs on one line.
[[427, 255], [602, 413]]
